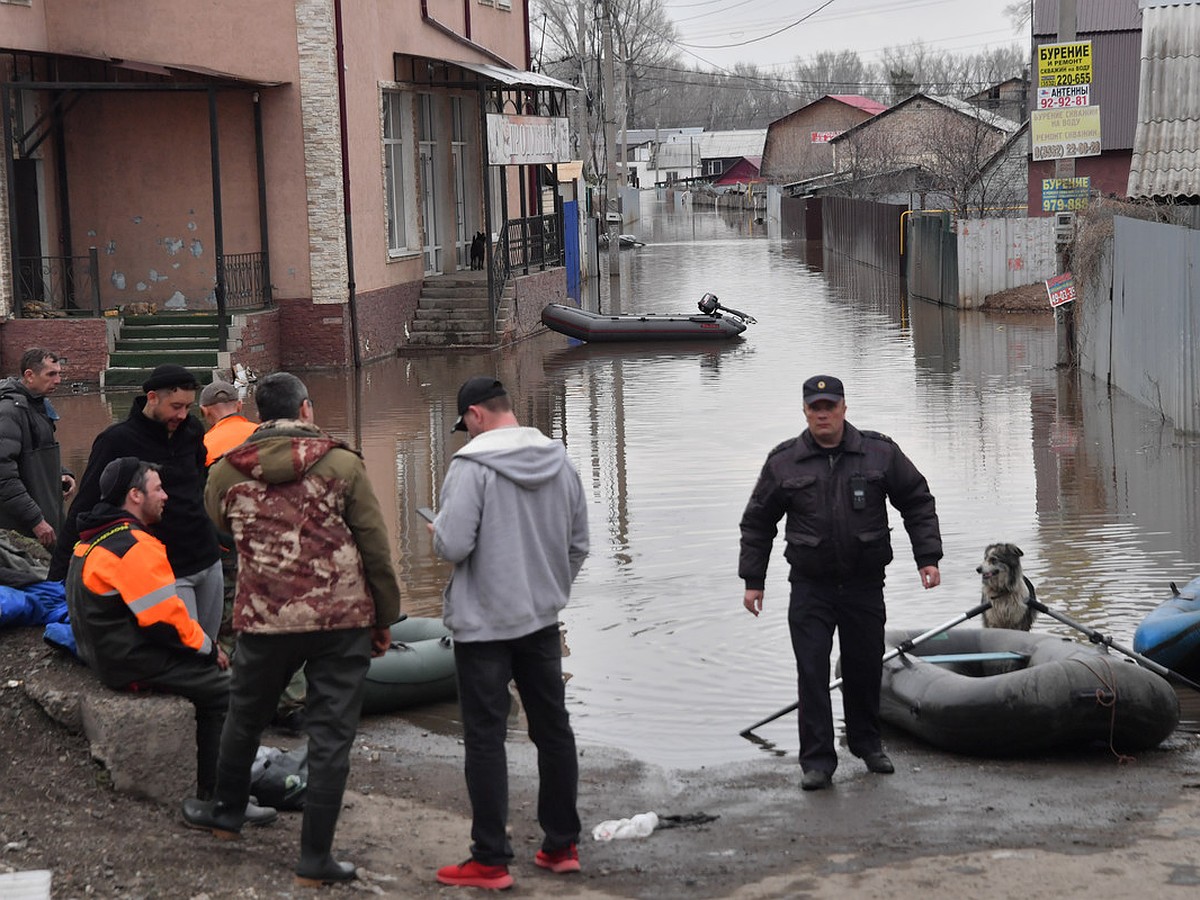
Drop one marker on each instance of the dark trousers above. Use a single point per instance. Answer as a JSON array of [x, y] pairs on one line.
[[858, 614], [485, 668], [208, 689], [335, 662]]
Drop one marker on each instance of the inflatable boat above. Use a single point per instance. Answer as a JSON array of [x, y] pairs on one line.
[[417, 668], [714, 322], [998, 692], [1170, 634]]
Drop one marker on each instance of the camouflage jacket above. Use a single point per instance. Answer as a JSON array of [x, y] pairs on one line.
[[313, 550]]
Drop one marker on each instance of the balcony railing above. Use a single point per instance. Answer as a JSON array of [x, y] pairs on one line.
[[246, 283], [70, 285], [58, 285]]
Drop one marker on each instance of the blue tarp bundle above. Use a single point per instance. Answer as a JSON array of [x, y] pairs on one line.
[[43, 603], [38, 604]]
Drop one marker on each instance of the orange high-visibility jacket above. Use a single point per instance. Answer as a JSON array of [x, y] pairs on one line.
[[129, 622]]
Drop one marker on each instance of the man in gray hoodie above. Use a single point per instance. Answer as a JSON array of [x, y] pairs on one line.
[[513, 520]]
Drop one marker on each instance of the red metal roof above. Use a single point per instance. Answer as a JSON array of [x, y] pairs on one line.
[[866, 104]]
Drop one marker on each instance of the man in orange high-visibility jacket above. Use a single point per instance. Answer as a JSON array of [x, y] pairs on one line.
[[130, 625], [227, 427]]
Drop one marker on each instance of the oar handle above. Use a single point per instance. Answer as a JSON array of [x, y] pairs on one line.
[[903, 647]]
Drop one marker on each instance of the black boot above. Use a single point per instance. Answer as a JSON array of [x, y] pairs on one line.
[[317, 865], [212, 815]]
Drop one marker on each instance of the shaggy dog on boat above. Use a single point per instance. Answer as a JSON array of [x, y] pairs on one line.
[[478, 246], [1006, 586]]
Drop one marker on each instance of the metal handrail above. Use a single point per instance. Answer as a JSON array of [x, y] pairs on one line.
[[66, 284]]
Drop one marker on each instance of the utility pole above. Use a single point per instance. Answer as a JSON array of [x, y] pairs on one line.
[[612, 195], [1064, 167], [583, 128]]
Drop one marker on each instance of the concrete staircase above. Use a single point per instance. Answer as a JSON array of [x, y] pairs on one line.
[[453, 312], [188, 339]]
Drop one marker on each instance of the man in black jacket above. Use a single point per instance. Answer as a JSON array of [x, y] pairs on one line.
[[832, 483], [160, 430], [32, 479]]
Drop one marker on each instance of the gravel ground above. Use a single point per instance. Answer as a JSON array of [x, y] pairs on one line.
[[1079, 824]]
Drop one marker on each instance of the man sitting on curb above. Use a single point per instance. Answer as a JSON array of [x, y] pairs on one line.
[[130, 625]]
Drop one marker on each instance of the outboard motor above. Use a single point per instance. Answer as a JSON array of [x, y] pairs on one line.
[[710, 306]]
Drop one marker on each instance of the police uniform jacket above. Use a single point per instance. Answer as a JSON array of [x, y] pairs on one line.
[[835, 507]]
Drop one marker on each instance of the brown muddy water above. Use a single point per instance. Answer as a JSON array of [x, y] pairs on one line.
[[665, 664]]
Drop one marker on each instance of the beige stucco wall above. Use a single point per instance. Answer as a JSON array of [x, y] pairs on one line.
[[789, 153], [141, 191], [255, 41], [375, 32], [22, 24]]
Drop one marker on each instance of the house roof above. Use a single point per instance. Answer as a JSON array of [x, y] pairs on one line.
[[962, 107], [1166, 144], [728, 144], [866, 104]]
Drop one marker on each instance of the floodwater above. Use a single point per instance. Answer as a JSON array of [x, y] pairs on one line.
[[664, 662]]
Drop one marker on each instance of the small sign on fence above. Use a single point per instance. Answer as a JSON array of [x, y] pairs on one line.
[[1061, 289]]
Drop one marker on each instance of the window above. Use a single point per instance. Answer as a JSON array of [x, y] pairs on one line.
[[397, 150]]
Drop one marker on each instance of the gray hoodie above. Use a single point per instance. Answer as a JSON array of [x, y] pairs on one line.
[[513, 520]]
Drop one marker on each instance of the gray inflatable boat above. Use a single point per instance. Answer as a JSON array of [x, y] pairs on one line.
[[997, 692]]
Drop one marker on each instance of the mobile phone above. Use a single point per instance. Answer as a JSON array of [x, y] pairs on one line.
[[426, 513]]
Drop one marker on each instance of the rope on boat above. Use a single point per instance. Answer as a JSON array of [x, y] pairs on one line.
[[1106, 696]]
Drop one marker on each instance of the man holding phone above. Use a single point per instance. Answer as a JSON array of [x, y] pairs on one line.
[[513, 521]]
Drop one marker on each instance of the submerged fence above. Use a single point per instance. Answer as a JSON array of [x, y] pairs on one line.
[[1138, 321]]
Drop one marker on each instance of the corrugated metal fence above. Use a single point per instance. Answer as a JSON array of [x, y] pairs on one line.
[[997, 254], [867, 232], [1138, 322], [932, 258]]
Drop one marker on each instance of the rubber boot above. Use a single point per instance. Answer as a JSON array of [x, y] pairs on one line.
[[317, 865]]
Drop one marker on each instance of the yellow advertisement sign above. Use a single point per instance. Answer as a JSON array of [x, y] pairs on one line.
[[1065, 133], [1064, 64]]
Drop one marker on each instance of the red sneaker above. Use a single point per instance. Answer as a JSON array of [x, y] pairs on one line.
[[474, 874], [559, 861]]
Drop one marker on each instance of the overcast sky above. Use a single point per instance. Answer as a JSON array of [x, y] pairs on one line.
[[866, 26]]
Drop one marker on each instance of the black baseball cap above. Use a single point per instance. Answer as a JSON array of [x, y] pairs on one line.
[[116, 479], [823, 387], [475, 390]]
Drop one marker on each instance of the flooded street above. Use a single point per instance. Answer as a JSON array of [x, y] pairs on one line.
[[665, 664]]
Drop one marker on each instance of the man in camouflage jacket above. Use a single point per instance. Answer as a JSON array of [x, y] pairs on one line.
[[315, 587]]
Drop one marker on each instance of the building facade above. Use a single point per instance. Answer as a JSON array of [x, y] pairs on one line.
[[308, 164], [797, 145]]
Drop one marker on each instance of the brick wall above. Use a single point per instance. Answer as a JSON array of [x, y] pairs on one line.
[[84, 343], [382, 317], [313, 335], [534, 292], [254, 341]]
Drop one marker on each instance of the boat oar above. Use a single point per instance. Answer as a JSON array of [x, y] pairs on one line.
[[1097, 638], [902, 647]]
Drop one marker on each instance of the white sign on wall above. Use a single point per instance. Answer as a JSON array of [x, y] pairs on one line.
[[527, 140]]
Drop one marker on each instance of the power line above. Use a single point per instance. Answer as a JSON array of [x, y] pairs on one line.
[[764, 37]]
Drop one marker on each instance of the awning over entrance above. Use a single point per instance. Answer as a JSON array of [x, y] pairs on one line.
[[515, 78]]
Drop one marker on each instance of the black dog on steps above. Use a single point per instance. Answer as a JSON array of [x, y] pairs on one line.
[[478, 246]]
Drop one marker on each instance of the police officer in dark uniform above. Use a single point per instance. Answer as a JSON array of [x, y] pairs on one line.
[[831, 483]]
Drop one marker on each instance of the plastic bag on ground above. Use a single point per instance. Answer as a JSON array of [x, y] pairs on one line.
[[641, 825]]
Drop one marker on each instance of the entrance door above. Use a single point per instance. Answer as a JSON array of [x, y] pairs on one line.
[[427, 142], [30, 271]]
